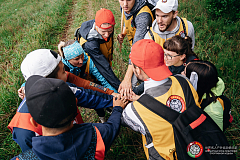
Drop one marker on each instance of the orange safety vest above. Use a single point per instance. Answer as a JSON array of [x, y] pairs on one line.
[[22, 120], [100, 146]]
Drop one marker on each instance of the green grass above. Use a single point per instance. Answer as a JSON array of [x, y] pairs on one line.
[[25, 26], [29, 25]]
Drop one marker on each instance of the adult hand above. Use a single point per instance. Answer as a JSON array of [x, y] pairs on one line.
[[118, 101], [120, 38], [125, 88], [21, 92]]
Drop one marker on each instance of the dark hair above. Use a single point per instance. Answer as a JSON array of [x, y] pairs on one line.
[[207, 77], [54, 73], [135, 66], [180, 46], [64, 44]]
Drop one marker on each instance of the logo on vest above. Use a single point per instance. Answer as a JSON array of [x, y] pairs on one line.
[[194, 149], [182, 34], [164, 1], [176, 103]]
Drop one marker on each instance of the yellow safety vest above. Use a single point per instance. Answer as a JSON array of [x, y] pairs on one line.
[[132, 29], [160, 40], [160, 130], [87, 75], [106, 49]]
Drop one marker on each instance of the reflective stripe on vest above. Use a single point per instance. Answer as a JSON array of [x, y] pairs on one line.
[[159, 139], [132, 29], [22, 120], [160, 40], [100, 146]]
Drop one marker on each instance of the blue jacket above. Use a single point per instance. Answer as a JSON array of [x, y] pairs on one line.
[[92, 71], [86, 98], [92, 47], [73, 144]]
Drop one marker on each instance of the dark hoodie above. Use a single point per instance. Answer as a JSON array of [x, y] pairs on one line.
[[92, 47], [73, 144]]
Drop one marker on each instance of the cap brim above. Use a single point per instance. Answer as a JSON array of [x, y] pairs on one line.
[[158, 73], [164, 10]]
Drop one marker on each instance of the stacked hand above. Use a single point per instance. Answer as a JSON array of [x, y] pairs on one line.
[[118, 101]]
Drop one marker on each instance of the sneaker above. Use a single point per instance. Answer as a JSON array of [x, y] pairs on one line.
[[102, 119]]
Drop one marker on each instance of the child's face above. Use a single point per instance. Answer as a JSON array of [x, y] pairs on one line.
[[77, 61], [61, 72]]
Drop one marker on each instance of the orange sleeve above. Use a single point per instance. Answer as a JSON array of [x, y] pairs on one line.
[[87, 84]]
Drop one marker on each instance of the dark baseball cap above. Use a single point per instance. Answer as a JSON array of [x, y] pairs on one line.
[[50, 101]]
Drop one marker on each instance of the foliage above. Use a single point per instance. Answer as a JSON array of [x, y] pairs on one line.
[[25, 26], [33, 24], [227, 9]]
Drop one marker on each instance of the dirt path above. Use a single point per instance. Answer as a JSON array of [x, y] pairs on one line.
[[65, 35]]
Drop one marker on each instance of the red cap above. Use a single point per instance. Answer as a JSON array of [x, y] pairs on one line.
[[149, 55], [104, 16]]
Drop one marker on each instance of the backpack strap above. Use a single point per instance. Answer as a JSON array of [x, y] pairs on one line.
[[184, 27], [164, 111], [159, 108], [151, 33], [206, 102]]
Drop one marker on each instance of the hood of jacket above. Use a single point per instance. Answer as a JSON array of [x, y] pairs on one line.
[[136, 8], [218, 90], [88, 31], [70, 145]]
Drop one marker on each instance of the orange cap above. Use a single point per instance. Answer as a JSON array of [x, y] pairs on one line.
[[149, 55], [104, 16]]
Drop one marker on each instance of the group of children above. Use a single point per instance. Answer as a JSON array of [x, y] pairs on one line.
[[160, 48]]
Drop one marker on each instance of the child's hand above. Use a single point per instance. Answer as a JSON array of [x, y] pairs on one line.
[[134, 97], [118, 101], [21, 92], [115, 94]]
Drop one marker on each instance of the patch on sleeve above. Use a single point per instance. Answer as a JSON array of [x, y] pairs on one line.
[[98, 86], [176, 103]]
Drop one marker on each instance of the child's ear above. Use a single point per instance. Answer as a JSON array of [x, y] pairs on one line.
[[34, 123]]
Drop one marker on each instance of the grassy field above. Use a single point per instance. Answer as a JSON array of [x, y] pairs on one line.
[[29, 25]]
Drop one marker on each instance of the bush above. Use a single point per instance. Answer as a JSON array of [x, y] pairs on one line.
[[227, 9]]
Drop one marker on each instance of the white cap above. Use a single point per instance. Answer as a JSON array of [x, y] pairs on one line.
[[166, 6], [40, 62]]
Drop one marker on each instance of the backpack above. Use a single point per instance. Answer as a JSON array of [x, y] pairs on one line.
[[227, 117], [77, 35], [151, 3], [194, 131]]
